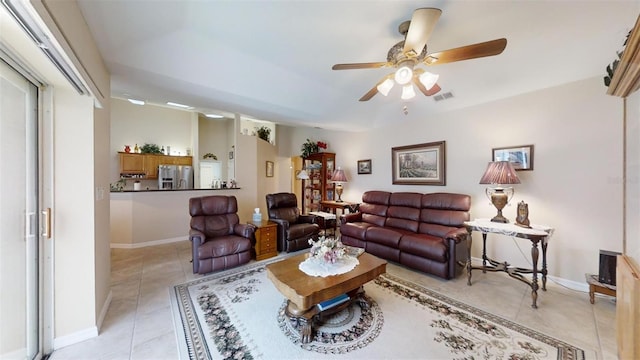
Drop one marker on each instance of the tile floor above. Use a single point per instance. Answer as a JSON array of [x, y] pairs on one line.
[[139, 325]]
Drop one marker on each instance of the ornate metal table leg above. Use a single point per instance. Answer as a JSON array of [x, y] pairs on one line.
[[544, 264], [468, 265], [484, 252], [534, 282], [305, 330]]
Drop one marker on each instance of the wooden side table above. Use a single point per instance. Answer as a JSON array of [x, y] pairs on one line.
[[266, 236], [596, 286]]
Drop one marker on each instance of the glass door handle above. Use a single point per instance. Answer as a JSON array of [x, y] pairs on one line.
[[47, 223]]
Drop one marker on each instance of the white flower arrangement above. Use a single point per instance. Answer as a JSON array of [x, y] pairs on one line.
[[330, 250]]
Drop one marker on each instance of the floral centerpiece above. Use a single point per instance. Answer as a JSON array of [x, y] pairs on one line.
[[329, 250]]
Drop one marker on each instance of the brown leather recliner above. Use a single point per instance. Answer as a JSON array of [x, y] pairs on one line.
[[218, 240], [294, 229]]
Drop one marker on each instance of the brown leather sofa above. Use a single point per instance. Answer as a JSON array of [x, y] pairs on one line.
[[218, 240], [294, 229], [421, 231]]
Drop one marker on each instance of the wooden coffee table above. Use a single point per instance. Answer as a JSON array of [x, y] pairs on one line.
[[304, 292]]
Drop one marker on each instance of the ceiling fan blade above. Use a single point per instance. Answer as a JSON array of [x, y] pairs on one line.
[[430, 92], [422, 23], [374, 90], [488, 48], [371, 65]]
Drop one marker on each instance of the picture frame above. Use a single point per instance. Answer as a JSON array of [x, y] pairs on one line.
[[364, 166], [521, 157], [420, 164], [269, 168]]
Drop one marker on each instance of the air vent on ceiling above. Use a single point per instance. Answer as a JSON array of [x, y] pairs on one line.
[[445, 96]]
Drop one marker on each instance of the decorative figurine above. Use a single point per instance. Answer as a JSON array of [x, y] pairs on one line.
[[523, 215]]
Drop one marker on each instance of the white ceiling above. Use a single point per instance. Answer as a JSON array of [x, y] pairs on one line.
[[271, 60]]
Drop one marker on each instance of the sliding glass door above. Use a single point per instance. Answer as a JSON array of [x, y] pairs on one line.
[[19, 217]]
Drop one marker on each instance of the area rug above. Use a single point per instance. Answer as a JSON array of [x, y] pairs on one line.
[[239, 314]]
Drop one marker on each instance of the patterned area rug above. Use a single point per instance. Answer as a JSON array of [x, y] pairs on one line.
[[239, 314]]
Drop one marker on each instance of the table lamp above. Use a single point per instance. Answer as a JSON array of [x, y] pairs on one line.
[[339, 177], [499, 173]]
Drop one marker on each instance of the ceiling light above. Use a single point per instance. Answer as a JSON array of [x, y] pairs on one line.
[[428, 79], [136, 102], [408, 92], [385, 87], [404, 74], [214, 116], [179, 105]]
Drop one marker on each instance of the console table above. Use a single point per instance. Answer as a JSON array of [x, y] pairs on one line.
[[537, 234]]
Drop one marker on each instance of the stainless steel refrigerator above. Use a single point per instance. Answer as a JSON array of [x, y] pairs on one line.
[[175, 177]]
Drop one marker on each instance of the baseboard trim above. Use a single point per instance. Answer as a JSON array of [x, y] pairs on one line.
[[148, 243], [105, 308], [63, 341]]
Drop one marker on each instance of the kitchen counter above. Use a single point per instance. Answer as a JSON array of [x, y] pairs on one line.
[[170, 190], [145, 217]]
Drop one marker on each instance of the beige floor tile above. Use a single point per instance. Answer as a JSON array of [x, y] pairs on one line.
[[138, 325]]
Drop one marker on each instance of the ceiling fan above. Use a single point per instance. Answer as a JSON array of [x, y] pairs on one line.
[[412, 51]]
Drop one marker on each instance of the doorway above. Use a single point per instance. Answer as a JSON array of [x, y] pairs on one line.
[[20, 243]]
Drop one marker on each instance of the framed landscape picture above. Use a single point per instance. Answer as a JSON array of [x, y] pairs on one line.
[[364, 166], [421, 164], [521, 157]]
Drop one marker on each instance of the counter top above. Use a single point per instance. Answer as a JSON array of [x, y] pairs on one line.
[[168, 190]]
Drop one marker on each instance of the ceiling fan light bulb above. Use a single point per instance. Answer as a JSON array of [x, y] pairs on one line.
[[428, 79], [385, 87], [403, 75], [408, 92]]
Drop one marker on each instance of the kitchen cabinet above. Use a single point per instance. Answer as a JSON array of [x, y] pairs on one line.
[[318, 187], [145, 166], [131, 165]]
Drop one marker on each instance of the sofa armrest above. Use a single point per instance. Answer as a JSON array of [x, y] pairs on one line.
[[245, 230], [457, 235], [351, 217], [283, 229], [309, 219], [197, 238]]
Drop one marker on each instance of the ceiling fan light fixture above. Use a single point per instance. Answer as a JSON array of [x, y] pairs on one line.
[[428, 79], [404, 74], [408, 92], [385, 87]]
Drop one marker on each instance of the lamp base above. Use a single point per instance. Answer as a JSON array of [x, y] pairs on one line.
[[500, 219], [339, 192]]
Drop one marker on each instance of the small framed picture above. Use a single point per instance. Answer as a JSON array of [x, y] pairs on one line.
[[364, 166], [521, 157], [269, 168]]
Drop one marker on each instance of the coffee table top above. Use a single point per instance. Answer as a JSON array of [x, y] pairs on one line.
[[307, 291]]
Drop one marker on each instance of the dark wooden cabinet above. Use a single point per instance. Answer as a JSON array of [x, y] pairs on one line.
[[318, 187]]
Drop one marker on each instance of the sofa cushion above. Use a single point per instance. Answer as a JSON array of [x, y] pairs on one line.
[[302, 230], [435, 229], [355, 229], [376, 197], [223, 246], [384, 236], [424, 245], [449, 201]]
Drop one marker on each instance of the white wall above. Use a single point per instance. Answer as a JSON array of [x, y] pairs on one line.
[[575, 186], [213, 137], [134, 124]]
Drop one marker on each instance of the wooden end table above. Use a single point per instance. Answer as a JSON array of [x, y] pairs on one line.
[[266, 239], [304, 292]]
